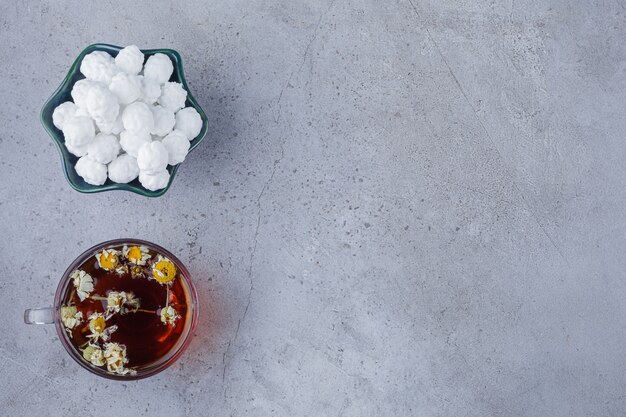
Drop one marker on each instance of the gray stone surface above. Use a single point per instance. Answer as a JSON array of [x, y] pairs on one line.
[[402, 208]]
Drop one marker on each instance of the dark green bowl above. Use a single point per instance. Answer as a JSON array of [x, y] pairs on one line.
[[62, 94]]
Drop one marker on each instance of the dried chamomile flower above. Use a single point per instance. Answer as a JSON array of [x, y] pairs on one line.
[[71, 317], [121, 302], [104, 148], [164, 270], [169, 315], [188, 121], [173, 96], [137, 118], [115, 356], [131, 142], [123, 169], [126, 87], [62, 113], [99, 66], [130, 59], [177, 147], [83, 283], [94, 355], [156, 181], [91, 171], [163, 121], [137, 255], [98, 329], [108, 259], [158, 68], [152, 158]]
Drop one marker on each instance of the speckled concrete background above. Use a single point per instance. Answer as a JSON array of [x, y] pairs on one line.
[[402, 208]]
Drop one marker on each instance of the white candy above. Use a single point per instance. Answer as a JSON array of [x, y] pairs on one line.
[[177, 147], [80, 90], [93, 172], [152, 158], [76, 150], [163, 121], [137, 118], [124, 169], [104, 148], [130, 60], [131, 142], [114, 127], [102, 104], [156, 181], [99, 66], [150, 90], [173, 96], [63, 112], [159, 68], [126, 87], [79, 131], [188, 121]]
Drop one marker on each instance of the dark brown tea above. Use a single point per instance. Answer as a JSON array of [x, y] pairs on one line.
[[125, 308]]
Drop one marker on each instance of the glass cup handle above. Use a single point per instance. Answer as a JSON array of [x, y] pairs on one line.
[[39, 315]]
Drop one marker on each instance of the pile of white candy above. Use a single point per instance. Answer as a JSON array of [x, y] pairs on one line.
[[127, 120]]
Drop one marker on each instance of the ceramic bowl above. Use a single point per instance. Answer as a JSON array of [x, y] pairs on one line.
[[62, 94]]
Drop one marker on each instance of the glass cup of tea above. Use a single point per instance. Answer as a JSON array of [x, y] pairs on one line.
[[125, 309]]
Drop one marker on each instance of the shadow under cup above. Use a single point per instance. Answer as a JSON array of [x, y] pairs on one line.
[[53, 315]]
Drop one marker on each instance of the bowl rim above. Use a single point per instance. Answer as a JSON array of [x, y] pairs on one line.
[[57, 138]]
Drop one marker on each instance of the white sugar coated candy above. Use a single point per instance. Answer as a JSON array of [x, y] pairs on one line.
[[79, 131], [76, 150], [173, 96], [126, 87], [177, 146], [163, 121], [150, 90], [115, 127], [80, 90], [93, 172], [156, 181], [102, 104], [188, 121], [130, 60], [159, 68], [99, 66], [152, 158], [123, 169], [131, 142], [123, 105], [63, 112], [137, 117], [104, 148]]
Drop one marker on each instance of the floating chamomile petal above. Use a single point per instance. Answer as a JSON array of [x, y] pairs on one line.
[[137, 255], [115, 356], [108, 259], [97, 326], [83, 283], [164, 270], [121, 302], [71, 317], [169, 315], [94, 355]]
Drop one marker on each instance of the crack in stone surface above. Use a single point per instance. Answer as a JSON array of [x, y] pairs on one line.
[[232, 342]]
